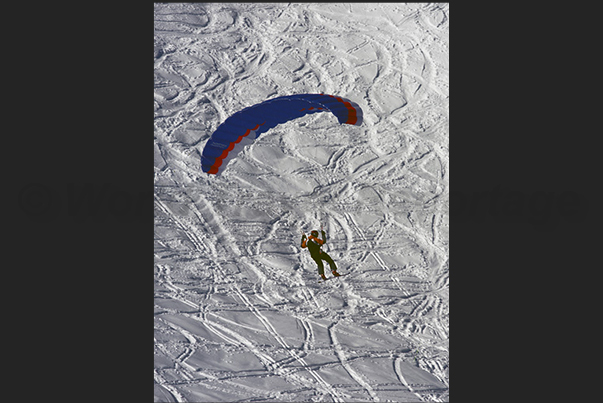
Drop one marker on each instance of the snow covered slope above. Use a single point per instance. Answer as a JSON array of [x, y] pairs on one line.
[[239, 312]]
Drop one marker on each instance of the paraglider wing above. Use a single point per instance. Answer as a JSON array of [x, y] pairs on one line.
[[243, 127]]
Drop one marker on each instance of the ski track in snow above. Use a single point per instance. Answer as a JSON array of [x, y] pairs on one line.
[[239, 312]]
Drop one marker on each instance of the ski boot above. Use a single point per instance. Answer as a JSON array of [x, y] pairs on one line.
[[335, 273]]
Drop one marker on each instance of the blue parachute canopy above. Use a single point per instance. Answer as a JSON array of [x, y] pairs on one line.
[[243, 127]]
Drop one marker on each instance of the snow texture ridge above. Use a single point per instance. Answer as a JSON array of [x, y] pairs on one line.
[[239, 312]]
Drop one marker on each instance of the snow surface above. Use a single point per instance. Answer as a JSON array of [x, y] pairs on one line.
[[239, 312]]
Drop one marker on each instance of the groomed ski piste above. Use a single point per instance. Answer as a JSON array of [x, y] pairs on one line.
[[239, 312]]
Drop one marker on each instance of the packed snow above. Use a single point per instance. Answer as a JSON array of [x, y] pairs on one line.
[[239, 312]]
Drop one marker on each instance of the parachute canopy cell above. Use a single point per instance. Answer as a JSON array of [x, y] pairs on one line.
[[243, 127]]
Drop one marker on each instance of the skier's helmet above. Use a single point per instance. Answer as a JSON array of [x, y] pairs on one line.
[[314, 233]]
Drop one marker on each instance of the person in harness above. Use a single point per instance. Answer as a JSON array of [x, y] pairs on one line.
[[314, 244]]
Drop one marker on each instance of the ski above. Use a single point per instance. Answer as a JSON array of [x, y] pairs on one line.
[[328, 278]]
